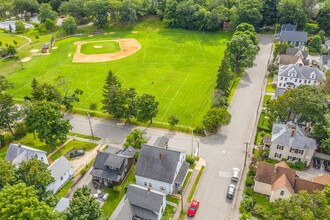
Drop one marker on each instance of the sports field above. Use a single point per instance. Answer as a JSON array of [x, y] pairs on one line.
[[177, 66], [100, 47]]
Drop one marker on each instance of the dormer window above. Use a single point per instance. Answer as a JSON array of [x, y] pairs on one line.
[[313, 75], [292, 72]]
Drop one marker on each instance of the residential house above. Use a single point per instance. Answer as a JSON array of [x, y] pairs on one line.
[[289, 27], [111, 166], [325, 63], [296, 38], [161, 169], [326, 46], [290, 142], [296, 52], [280, 182], [142, 203], [290, 76], [18, 153], [291, 59], [62, 171], [62, 205]]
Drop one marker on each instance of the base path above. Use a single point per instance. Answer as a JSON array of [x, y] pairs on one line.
[[128, 47]]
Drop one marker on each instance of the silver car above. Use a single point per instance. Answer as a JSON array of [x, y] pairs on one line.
[[235, 174]]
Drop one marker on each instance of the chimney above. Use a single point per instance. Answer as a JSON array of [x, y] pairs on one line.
[[160, 156], [292, 132]]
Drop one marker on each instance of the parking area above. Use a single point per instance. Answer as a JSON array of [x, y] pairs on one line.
[[318, 167]]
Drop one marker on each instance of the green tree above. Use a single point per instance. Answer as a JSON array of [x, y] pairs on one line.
[[111, 90], [20, 27], [7, 173], [323, 17], [309, 7], [125, 104], [315, 43], [215, 118], [5, 84], [135, 139], [35, 173], [280, 48], [8, 112], [69, 25], [291, 11], [21, 6], [269, 12], [45, 91], [69, 99], [21, 202], [47, 120], [49, 24], [128, 10], [83, 206], [242, 52], [93, 107], [173, 120], [74, 8], [11, 51], [45, 11], [249, 11], [99, 10], [147, 108], [224, 76]]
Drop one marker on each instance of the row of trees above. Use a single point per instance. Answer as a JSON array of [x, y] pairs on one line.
[[124, 103], [24, 195]]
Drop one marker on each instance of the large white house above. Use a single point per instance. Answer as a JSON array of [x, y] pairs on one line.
[[290, 76], [290, 142], [18, 153], [62, 172], [161, 169]]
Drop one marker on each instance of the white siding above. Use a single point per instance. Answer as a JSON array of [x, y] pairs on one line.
[[58, 184], [155, 184], [276, 194]]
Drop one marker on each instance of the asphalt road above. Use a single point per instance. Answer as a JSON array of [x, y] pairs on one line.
[[222, 152]]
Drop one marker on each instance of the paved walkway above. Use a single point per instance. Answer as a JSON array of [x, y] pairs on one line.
[[85, 139]]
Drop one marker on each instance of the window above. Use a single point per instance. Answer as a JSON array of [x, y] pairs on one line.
[[145, 183], [150, 185], [309, 82], [162, 188], [300, 80], [280, 147], [278, 155], [285, 79], [295, 80], [282, 192], [280, 84], [42, 158], [281, 77], [305, 81]]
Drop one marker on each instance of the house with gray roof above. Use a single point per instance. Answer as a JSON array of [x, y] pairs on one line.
[[289, 27], [290, 142], [18, 153], [62, 205], [296, 52], [325, 63], [111, 166], [142, 203], [291, 76], [296, 38], [161, 169], [62, 171]]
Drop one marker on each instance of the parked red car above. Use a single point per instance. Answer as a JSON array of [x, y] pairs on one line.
[[193, 208]]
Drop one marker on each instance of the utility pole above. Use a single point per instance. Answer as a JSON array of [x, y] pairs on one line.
[[192, 142], [90, 125], [198, 148], [246, 152]]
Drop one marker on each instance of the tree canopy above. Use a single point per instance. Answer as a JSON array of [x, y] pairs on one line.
[[215, 118], [135, 139]]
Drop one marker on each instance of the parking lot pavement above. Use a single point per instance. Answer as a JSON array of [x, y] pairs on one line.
[[312, 172]]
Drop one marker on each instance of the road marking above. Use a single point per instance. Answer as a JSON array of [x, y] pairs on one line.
[[224, 174]]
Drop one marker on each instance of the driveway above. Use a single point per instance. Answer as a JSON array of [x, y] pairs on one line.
[[80, 162], [221, 152]]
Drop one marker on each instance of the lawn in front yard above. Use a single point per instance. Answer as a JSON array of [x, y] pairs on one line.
[[65, 189], [266, 100], [115, 197], [270, 87], [172, 199], [168, 213]]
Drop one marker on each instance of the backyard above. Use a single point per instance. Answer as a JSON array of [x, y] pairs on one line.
[[178, 67]]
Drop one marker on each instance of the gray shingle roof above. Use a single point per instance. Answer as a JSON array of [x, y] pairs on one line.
[[59, 167], [295, 52], [325, 58], [129, 211], [128, 152], [114, 160], [150, 165], [182, 173], [282, 135], [15, 150], [289, 27], [293, 36], [302, 72], [279, 91], [63, 204]]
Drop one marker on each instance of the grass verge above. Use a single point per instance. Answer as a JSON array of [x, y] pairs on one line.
[[84, 136], [65, 189], [234, 87], [186, 180], [193, 189], [172, 199], [168, 213]]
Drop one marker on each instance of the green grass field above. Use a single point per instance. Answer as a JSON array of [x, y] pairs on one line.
[[106, 47], [10, 38], [178, 67]]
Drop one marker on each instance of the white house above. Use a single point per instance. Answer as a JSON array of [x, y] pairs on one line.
[[18, 153], [325, 63], [290, 76], [142, 203], [62, 172], [161, 169], [290, 142]]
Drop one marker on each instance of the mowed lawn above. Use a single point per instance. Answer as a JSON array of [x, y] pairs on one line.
[[178, 67], [10, 38], [100, 47]]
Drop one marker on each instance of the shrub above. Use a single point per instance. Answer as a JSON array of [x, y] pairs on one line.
[[199, 130], [136, 156], [251, 173], [20, 131], [37, 37], [69, 25], [117, 188], [190, 159], [20, 27], [249, 181], [2, 141], [49, 24], [248, 191], [311, 28]]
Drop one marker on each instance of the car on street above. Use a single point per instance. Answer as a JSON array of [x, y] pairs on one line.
[[231, 191], [77, 153], [235, 174], [193, 208]]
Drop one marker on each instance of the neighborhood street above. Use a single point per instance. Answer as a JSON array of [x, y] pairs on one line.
[[222, 152]]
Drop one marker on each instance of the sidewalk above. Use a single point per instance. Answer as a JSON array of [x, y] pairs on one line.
[[85, 139]]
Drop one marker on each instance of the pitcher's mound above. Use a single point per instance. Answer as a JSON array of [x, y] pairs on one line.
[[128, 47], [97, 46]]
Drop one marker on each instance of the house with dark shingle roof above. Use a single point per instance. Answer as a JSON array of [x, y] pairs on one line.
[[111, 166], [325, 63], [289, 27], [62, 171], [18, 153], [296, 38], [279, 181], [296, 52], [290, 142], [142, 203], [290, 76], [161, 169], [290, 59]]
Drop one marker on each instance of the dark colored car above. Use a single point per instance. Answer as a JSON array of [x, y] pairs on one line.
[[316, 163], [231, 191], [326, 165], [77, 153], [193, 208]]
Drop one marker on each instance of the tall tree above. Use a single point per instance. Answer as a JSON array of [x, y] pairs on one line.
[[46, 119], [249, 11], [309, 7], [69, 25], [45, 11], [111, 89], [215, 118], [9, 113], [69, 99], [83, 206], [45, 92], [291, 11], [269, 12], [7, 173], [21, 6], [173, 120], [21, 202], [323, 17], [99, 9], [225, 76], [74, 8], [5, 84], [125, 104], [147, 108], [241, 51], [135, 139], [315, 43]]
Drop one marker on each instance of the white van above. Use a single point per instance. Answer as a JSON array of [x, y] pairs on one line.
[[235, 174]]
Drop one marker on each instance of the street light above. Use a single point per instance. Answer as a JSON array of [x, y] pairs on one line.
[[90, 125]]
